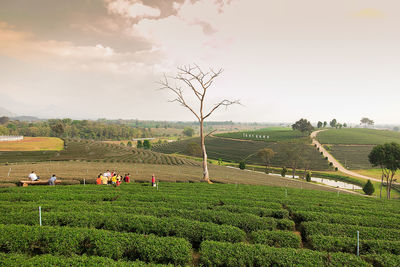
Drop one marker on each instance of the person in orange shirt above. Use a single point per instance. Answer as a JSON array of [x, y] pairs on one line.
[[98, 180]]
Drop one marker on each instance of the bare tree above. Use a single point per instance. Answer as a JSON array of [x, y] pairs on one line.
[[198, 82]]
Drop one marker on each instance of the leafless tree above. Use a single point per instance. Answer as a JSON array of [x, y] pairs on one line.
[[197, 82]]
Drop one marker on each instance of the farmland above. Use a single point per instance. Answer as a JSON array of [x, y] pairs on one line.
[[272, 134], [195, 224], [352, 156], [232, 150], [33, 144], [358, 136]]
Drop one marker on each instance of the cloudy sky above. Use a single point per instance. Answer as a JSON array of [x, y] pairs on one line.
[[283, 59]]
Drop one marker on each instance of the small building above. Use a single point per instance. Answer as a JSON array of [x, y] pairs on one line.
[[11, 138]]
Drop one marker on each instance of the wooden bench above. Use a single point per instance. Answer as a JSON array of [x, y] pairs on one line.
[[40, 182]]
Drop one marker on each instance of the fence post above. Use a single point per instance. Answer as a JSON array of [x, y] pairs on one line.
[[40, 215], [358, 243], [9, 171], [84, 181]]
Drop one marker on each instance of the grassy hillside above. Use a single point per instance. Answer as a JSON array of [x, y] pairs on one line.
[[353, 156], [93, 151], [33, 144], [272, 134], [231, 150], [358, 136], [194, 224]]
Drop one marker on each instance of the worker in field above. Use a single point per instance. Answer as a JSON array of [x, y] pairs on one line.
[[98, 180], [153, 180], [127, 179], [114, 180], [33, 176], [104, 180], [52, 180]]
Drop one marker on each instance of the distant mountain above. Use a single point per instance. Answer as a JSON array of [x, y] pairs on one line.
[[6, 113], [25, 118]]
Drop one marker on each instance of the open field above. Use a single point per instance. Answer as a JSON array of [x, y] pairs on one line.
[[358, 136], [33, 144], [272, 134], [142, 172], [195, 224], [94, 151], [231, 150]]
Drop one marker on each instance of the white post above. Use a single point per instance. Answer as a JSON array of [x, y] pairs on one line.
[[9, 171], [40, 215], [358, 243], [157, 185], [285, 192], [84, 181]]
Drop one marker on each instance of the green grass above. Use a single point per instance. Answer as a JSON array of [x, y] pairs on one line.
[[358, 136], [222, 224], [352, 156], [275, 134], [234, 151]]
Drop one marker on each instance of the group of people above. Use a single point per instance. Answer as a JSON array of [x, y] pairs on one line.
[[34, 177], [112, 178]]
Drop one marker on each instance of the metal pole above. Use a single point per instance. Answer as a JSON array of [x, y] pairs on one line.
[[358, 243], [40, 215]]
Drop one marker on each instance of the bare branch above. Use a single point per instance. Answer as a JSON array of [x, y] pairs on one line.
[[225, 103], [210, 133]]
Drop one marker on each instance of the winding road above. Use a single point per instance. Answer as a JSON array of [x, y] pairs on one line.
[[334, 161]]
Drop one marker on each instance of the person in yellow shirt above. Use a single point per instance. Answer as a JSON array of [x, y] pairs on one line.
[[114, 180], [104, 180]]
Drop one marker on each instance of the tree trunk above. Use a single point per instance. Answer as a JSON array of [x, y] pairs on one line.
[[206, 176], [380, 193], [293, 170], [387, 188]]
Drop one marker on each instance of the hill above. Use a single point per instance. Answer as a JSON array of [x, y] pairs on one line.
[[194, 224], [233, 150], [271, 134]]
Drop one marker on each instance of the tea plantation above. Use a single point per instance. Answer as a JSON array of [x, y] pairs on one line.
[[196, 225]]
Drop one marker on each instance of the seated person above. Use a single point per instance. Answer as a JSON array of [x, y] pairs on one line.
[[98, 180], [52, 180], [33, 176]]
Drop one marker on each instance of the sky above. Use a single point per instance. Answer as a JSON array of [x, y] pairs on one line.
[[284, 60]]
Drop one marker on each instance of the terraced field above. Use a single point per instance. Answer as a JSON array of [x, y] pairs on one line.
[[93, 151], [33, 144], [195, 224], [272, 134], [354, 157], [231, 150]]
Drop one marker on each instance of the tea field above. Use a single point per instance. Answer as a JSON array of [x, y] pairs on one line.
[[232, 150], [272, 134], [358, 136], [194, 224], [33, 144]]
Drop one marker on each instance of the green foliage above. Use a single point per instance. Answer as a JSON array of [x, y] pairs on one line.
[[146, 144], [303, 125], [188, 131], [242, 165], [69, 241], [226, 254], [139, 144], [333, 123], [284, 171], [129, 144], [308, 176], [319, 124], [193, 149], [358, 136], [279, 239], [369, 188]]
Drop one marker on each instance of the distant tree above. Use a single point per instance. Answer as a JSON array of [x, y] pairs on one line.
[[129, 144], [319, 125], [339, 125], [387, 157], [333, 123], [325, 123], [345, 125], [294, 154], [139, 144], [266, 155], [146, 144], [58, 128], [4, 130], [367, 122], [308, 176], [369, 188], [242, 165], [4, 120], [193, 149], [188, 131], [303, 126], [219, 161], [396, 129]]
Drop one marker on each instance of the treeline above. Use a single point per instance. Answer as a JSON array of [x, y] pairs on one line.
[[68, 128]]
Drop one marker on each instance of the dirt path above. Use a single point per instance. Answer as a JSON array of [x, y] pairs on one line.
[[334, 161]]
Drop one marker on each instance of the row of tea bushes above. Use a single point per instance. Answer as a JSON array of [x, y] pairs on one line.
[[279, 239], [240, 254], [194, 231], [75, 241]]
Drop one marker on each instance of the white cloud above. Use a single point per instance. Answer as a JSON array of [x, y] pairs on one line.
[[132, 9]]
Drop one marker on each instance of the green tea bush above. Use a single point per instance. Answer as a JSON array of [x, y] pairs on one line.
[[279, 239], [70, 241], [383, 259], [348, 245], [240, 254]]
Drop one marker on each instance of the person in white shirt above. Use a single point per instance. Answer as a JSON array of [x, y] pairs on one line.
[[33, 176], [52, 180]]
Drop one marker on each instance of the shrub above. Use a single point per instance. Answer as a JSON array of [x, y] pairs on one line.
[[278, 239], [284, 171], [383, 259], [69, 241], [369, 188], [242, 165], [308, 176], [240, 254]]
